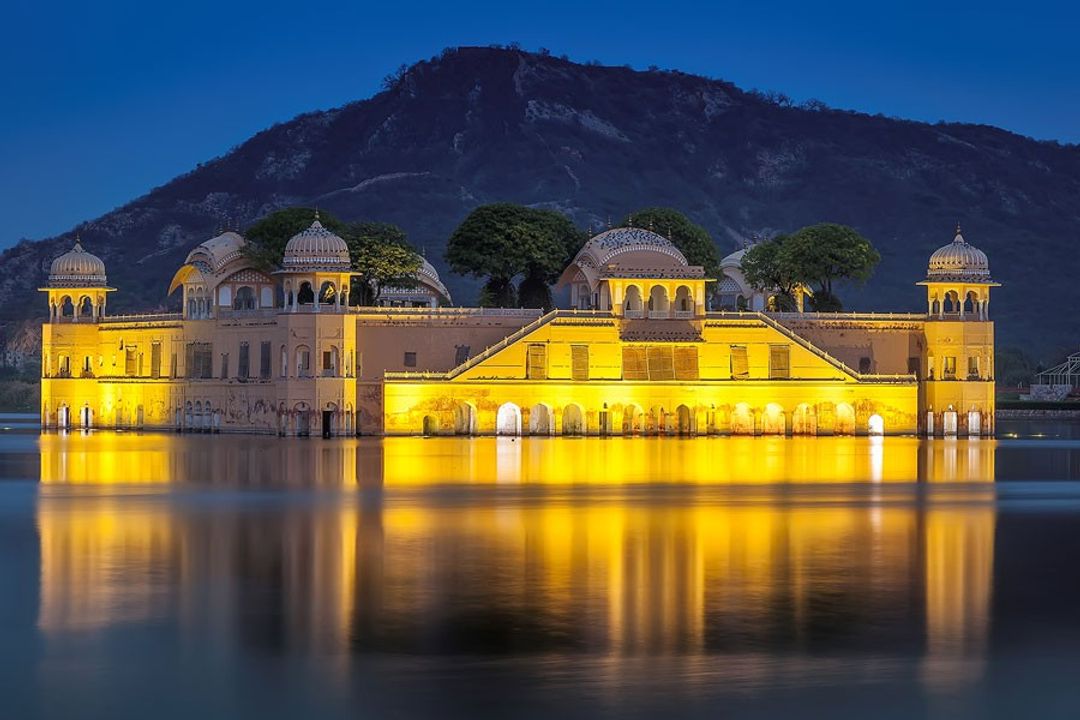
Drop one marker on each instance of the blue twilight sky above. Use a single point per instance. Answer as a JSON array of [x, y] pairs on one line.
[[104, 100]]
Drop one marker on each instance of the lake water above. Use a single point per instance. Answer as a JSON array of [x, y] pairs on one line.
[[165, 576]]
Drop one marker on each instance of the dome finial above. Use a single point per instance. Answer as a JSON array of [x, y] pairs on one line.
[[959, 237], [316, 213]]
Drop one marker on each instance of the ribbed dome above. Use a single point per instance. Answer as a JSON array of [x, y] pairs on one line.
[[605, 246], [959, 261], [428, 275], [316, 249], [77, 268]]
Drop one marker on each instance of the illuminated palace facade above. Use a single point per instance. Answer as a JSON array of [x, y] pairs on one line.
[[636, 352]]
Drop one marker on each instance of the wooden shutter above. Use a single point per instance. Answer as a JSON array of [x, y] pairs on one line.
[[779, 361], [740, 366], [579, 362], [661, 364], [536, 362], [155, 359], [686, 363], [634, 364]]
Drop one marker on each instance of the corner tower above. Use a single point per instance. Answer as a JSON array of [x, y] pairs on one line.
[[959, 368]]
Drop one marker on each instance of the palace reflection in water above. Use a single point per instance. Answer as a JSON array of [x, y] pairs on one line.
[[497, 546]]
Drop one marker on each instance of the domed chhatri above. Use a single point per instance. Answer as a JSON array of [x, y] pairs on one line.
[[77, 269], [959, 261], [316, 248]]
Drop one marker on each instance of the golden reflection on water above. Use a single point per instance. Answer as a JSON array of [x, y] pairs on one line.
[[639, 571]]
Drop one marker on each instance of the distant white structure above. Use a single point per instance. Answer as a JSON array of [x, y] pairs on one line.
[[428, 291]]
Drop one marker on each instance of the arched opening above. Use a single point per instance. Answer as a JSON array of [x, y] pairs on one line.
[[327, 294], [306, 296], [952, 302], [974, 420], [508, 420], [86, 417], [465, 419], [63, 418], [845, 419], [684, 300], [742, 420], [803, 420], [67, 309], [875, 425], [773, 421], [431, 425], [330, 362], [284, 361], [658, 301], [935, 307], [970, 303], [633, 305], [684, 419], [632, 417], [303, 361], [540, 420], [86, 308], [192, 308], [266, 297], [949, 423], [303, 419], [245, 299], [573, 420], [603, 421]]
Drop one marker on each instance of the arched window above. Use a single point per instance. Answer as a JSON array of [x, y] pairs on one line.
[[245, 299], [67, 309], [684, 301], [327, 294], [306, 296], [970, 303], [86, 308], [303, 361], [508, 420], [633, 304], [658, 301]]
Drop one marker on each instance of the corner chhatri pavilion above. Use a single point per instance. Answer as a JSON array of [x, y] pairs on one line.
[[637, 352]]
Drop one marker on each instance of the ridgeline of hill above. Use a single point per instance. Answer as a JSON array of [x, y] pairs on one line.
[[479, 125]]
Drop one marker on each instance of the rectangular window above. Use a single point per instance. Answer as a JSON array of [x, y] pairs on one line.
[[914, 366], [410, 359], [204, 360], [661, 363], [131, 360], [973, 367], [740, 364], [949, 372], [224, 366], [634, 364], [155, 359], [461, 354], [264, 360], [536, 362], [779, 362], [579, 362], [686, 363], [303, 362], [243, 362], [328, 363]]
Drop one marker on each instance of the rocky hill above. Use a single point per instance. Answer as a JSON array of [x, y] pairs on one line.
[[478, 125]]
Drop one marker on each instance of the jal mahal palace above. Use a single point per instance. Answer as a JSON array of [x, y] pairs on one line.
[[636, 352]]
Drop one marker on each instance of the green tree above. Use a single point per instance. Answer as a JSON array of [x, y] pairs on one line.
[[826, 252], [815, 256], [765, 267], [693, 240], [503, 241], [266, 239], [381, 257]]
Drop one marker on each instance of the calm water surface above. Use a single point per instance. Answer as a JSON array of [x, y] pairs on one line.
[[164, 576]]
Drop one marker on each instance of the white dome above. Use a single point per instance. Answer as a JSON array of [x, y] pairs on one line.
[[733, 260], [428, 275], [959, 261], [316, 248], [77, 268]]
